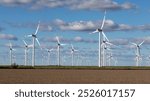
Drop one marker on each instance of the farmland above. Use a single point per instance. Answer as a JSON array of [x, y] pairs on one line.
[[74, 75]]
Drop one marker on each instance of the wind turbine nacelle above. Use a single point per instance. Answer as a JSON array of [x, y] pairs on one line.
[[33, 35], [104, 41], [72, 50], [100, 30], [105, 48]]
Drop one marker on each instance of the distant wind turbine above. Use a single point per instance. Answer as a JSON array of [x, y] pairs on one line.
[[100, 31], [26, 46], [104, 46], [49, 52], [34, 37], [138, 52], [58, 49], [10, 52], [72, 54]]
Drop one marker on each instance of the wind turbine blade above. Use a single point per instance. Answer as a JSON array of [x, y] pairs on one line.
[[38, 42], [57, 38], [102, 44], [134, 44], [51, 49], [109, 49], [103, 22], [104, 36], [30, 45], [29, 35], [10, 45], [25, 43], [141, 43], [72, 46], [63, 44], [37, 29], [76, 50], [109, 43], [14, 50], [94, 32]]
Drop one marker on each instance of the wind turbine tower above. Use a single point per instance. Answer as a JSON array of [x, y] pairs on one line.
[[10, 52], [26, 46], [138, 52], [34, 37], [49, 53], [100, 31], [58, 49], [72, 54]]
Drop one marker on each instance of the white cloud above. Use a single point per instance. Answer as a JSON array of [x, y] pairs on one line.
[[44, 26], [71, 4], [15, 2], [120, 41], [144, 27], [102, 5], [78, 38], [91, 25], [8, 37], [127, 42], [78, 26]]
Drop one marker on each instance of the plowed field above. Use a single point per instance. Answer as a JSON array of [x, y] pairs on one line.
[[73, 76]]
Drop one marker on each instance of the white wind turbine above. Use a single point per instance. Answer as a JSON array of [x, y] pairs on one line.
[[34, 37], [104, 46], [10, 52], [72, 54], [26, 46], [100, 31], [108, 55], [49, 53], [58, 49], [138, 52], [110, 58]]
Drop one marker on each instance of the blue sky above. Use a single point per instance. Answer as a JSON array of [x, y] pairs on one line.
[[72, 20]]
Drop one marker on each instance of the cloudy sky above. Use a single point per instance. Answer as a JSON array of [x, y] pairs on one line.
[[127, 21]]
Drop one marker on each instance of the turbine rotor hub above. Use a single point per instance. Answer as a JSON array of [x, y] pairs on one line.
[[100, 30], [33, 35]]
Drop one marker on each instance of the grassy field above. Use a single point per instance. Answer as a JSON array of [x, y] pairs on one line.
[[78, 67]]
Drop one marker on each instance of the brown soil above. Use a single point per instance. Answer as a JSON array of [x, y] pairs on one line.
[[69, 76]]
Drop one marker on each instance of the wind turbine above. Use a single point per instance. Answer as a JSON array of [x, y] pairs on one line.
[[34, 37], [104, 46], [72, 54], [26, 46], [100, 31], [10, 52], [49, 52], [138, 52], [58, 49]]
